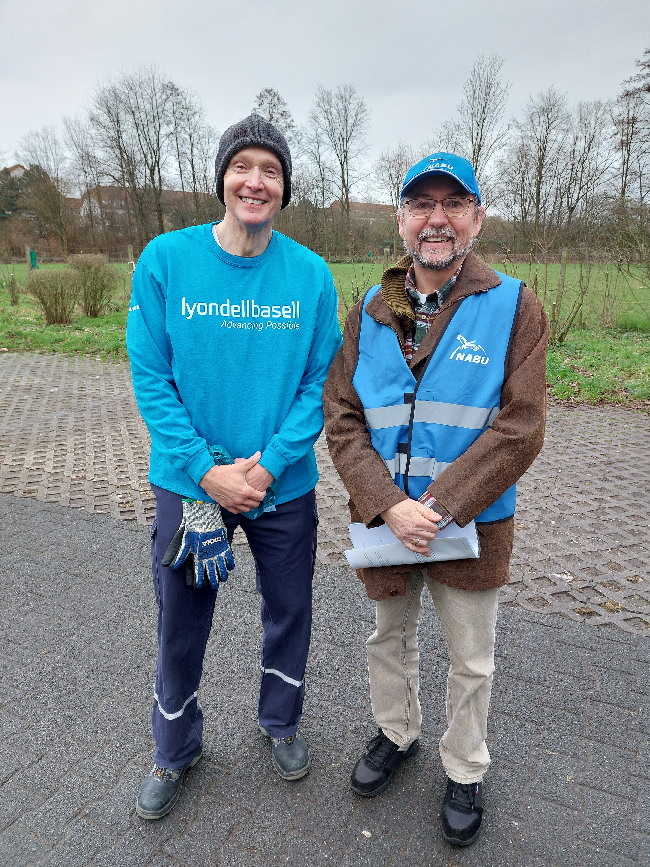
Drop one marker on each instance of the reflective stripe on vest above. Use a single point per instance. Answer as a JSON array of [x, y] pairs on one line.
[[427, 467], [421, 426], [433, 412]]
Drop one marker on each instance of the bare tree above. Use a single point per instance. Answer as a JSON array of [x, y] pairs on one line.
[[119, 155], [87, 165], [152, 137], [273, 107], [481, 112], [47, 184], [45, 149], [389, 171], [147, 98], [534, 164], [320, 173], [631, 124], [477, 134], [629, 117], [587, 158], [133, 122], [194, 145], [206, 149], [640, 83], [342, 118], [450, 138]]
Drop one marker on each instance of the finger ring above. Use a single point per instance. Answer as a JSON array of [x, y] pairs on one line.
[[418, 541]]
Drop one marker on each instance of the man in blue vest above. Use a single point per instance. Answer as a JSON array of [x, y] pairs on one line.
[[434, 407]]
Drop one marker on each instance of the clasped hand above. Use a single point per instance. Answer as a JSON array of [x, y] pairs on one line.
[[413, 524], [238, 487]]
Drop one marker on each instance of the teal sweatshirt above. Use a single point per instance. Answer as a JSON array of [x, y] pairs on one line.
[[233, 352]]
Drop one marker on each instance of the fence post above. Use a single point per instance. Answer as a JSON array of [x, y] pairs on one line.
[[557, 304], [386, 252], [129, 255], [28, 257]]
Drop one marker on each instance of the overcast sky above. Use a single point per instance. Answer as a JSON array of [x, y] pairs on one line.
[[407, 58]]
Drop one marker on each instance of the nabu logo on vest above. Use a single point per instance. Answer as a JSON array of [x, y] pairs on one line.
[[474, 355]]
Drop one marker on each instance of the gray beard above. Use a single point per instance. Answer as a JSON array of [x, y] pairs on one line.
[[457, 254]]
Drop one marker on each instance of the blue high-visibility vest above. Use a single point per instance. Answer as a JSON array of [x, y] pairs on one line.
[[420, 426]]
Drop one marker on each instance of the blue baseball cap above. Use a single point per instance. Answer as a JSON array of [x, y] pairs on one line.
[[442, 164]]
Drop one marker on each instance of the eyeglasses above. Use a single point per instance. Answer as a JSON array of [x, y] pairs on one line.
[[456, 206]]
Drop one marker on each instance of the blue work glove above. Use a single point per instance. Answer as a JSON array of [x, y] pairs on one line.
[[203, 536]]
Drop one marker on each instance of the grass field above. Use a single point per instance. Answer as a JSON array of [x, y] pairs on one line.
[[595, 363], [609, 299], [22, 327], [20, 269]]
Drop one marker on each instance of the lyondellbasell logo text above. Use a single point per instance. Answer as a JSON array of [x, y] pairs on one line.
[[246, 308]]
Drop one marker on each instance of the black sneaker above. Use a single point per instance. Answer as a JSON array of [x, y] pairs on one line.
[[462, 812], [160, 790], [290, 755], [373, 772]]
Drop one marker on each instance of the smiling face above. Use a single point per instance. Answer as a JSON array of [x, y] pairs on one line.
[[439, 242], [253, 185]]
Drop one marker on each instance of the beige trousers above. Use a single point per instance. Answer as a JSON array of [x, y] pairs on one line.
[[468, 620]]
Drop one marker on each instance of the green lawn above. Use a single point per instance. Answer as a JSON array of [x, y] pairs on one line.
[[595, 363], [23, 328], [601, 364], [20, 269], [609, 300], [355, 280]]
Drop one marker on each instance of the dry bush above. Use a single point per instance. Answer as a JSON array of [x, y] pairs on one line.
[[56, 293], [97, 279], [8, 280]]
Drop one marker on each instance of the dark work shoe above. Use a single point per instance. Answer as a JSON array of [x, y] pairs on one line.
[[462, 812], [290, 755], [160, 790], [373, 772]]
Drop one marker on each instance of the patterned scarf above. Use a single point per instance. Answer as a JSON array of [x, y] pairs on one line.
[[425, 311]]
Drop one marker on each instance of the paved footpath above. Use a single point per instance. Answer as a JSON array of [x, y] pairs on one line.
[[569, 728]]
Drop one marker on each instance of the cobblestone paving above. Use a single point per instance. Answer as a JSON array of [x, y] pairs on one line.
[[568, 728], [71, 434]]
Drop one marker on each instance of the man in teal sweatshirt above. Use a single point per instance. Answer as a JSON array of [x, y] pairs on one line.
[[232, 328]]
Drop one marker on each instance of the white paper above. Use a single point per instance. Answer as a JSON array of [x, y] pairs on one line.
[[380, 547]]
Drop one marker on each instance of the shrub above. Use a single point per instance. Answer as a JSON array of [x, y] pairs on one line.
[[8, 280], [56, 293], [97, 279]]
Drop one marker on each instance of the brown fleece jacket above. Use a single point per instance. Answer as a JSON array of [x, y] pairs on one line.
[[479, 476]]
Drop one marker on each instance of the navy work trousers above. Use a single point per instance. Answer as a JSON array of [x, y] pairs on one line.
[[283, 544]]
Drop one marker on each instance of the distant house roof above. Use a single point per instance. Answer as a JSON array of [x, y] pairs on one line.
[[17, 171], [365, 209], [116, 198]]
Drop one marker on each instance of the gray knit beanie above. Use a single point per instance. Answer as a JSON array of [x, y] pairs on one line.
[[254, 131]]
